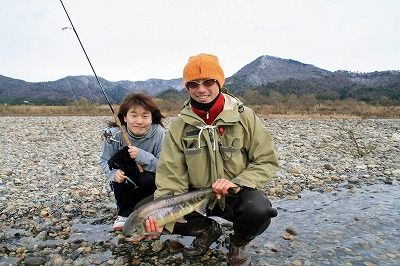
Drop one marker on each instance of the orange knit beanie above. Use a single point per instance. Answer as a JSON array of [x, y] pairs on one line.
[[203, 66]]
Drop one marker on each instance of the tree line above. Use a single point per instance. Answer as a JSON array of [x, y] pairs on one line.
[[275, 103]]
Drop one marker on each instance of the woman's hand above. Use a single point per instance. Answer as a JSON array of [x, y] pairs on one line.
[[119, 176], [133, 152]]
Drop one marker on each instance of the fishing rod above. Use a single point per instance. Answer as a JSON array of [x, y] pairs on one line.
[[116, 118]]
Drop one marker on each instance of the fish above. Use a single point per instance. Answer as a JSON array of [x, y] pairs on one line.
[[167, 209]]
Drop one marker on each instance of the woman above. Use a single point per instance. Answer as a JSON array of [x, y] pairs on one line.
[[142, 121]]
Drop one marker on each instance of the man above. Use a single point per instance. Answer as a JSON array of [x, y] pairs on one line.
[[217, 142]]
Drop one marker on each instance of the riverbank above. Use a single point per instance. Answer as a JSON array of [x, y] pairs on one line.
[[336, 194]]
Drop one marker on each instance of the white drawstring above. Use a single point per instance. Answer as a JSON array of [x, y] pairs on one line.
[[210, 130]]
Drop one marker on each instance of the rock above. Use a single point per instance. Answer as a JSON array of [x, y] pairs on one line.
[[44, 213], [361, 167], [292, 231], [396, 172], [157, 246], [274, 249], [7, 172], [297, 263], [396, 136], [42, 235], [34, 261], [329, 166], [174, 246], [288, 237], [81, 262], [58, 262], [20, 250], [353, 180]]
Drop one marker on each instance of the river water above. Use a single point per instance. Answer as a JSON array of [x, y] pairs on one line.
[[357, 226], [350, 227]]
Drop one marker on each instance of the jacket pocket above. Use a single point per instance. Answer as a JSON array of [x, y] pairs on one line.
[[233, 154], [198, 162], [191, 146], [231, 146]]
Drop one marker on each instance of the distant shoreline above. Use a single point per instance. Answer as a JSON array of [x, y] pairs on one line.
[[340, 109], [277, 116]]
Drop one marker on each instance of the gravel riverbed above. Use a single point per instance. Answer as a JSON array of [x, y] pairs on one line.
[[337, 196]]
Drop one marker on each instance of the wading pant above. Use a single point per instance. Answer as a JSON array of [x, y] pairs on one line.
[[128, 195], [250, 211]]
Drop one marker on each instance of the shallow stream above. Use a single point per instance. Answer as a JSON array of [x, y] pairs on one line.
[[358, 226], [350, 227]]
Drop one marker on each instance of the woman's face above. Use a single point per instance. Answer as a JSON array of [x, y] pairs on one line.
[[138, 120]]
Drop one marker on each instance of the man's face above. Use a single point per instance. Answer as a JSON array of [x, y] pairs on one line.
[[203, 90]]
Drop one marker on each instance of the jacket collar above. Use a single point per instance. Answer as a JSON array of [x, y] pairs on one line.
[[229, 114]]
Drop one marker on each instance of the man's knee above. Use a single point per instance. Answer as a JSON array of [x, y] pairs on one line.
[[255, 204]]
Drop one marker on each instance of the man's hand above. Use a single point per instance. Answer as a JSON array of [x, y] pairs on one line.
[[152, 230], [152, 227], [221, 187]]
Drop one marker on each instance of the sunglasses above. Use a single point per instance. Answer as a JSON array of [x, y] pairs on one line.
[[196, 84]]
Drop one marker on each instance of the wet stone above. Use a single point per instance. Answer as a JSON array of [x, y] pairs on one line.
[[292, 231], [353, 180], [329, 166], [34, 261]]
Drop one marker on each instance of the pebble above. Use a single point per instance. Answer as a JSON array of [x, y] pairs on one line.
[[329, 166], [297, 263], [353, 180], [292, 231], [57, 208]]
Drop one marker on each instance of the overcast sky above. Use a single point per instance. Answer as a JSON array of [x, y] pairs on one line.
[[142, 39]]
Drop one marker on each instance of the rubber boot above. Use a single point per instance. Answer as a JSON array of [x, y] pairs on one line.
[[206, 232], [237, 252]]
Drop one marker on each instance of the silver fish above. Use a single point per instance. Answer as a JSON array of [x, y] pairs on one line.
[[166, 210]]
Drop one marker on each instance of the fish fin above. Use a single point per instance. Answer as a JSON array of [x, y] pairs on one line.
[[212, 204], [151, 234], [221, 202], [181, 220], [202, 209]]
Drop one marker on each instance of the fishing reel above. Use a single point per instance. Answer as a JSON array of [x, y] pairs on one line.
[[109, 137]]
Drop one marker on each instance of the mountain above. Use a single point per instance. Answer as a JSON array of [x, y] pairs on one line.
[[73, 88], [268, 73], [266, 69], [265, 74]]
